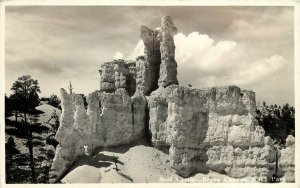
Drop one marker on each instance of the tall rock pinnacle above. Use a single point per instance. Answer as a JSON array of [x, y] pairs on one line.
[[148, 67], [168, 66]]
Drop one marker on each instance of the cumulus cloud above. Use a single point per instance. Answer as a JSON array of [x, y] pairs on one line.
[[200, 51], [217, 63], [137, 51], [205, 62]]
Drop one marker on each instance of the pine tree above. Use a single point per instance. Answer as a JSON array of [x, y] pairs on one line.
[[25, 89]]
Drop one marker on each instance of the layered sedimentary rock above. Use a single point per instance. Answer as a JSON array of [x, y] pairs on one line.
[[111, 119], [210, 129], [107, 77], [119, 76], [287, 160]]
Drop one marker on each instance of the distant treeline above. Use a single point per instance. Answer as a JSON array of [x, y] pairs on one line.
[[278, 121]]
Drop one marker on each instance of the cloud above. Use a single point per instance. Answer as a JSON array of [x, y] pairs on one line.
[[200, 51], [266, 26], [217, 63], [205, 62], [251, 47], [49, 51], [137, 51], [119, 55], [220, 63]]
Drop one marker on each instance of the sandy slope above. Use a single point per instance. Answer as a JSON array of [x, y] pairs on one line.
[[47, 112], [137, 163]]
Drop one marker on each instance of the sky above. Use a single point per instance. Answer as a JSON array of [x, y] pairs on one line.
[[251, 47]]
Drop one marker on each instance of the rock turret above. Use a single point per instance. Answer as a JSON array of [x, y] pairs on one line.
[[118, 76]]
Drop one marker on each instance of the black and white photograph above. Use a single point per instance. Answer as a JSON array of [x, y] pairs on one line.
[[148, 93]]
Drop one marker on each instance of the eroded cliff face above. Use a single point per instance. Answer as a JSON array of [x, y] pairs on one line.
[[112, 119], [201, 129], [212, 129]]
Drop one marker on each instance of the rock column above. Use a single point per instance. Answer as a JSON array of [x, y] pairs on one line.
[[148, 66], [168, 66]]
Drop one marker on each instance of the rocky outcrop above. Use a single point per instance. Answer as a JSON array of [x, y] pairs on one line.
[[287, 160], [201, 129], [210, 129], [111, 119], [72, 133]]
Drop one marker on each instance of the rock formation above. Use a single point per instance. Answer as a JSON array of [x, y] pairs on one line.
[[111, 119], [168, 66], [210, 129], [148, 65], [287, 160], [201, 129], [118, 76], [158, 67]]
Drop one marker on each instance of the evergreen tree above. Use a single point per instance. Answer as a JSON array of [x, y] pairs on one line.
[[54, 101], [25, 92], [278, 122]]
